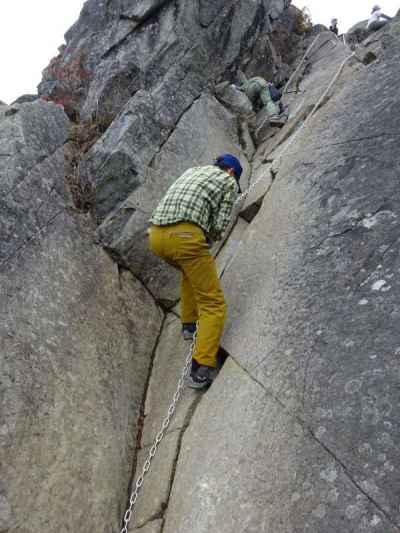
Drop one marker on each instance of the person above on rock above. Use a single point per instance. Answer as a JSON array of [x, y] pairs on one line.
[[377, 19], [334, 26], [196, 210], [258, 91]]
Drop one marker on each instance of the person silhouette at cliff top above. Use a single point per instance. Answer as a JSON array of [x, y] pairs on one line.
[[334, 26], [377, 19], [195, 211]]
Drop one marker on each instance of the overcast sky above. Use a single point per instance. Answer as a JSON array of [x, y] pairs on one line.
[[32, 30]]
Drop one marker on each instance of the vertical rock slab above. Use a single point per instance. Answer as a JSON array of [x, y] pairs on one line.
[[169, 361], [316, 281], [244, 473], [74, 356]]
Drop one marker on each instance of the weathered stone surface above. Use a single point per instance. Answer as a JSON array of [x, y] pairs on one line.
[[167, 369], [264, 127], [316, 276], [153, 527], [318, 72], [357, 33], [116, 49], [311, 83], [299, 431], [262, 175], [374, 44], [240, 470], [228, 251], [32, 173], [302, 431], [124, 231], [246, 140], [28, 138], [74, 359], [25, 98], [154, 497]]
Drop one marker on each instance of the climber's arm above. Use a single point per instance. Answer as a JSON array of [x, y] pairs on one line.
[[222, 218]]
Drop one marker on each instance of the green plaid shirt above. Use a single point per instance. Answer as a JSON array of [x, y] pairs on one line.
[[202, 195]]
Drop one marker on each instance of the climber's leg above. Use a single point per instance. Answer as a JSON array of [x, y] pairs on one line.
[[203, 276], [188, 309], [377, 25], [272, 107], [185, 246], [194, 259], [188, 306]]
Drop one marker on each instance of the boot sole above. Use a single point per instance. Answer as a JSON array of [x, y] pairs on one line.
[[195, 385]]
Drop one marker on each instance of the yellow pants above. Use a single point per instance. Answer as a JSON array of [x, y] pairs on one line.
[[184, 246]]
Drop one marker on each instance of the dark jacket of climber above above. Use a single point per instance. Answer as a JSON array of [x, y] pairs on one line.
[[334, 26], [196, 209]]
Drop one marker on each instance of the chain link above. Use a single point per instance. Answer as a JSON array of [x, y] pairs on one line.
[[160, 435]]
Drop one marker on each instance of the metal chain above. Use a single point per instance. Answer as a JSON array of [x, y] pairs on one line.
[[160, 435]]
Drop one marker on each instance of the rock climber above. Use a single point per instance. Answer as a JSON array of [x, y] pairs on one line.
[[259, 92], [377, 19], [334, 26], [195, 211]]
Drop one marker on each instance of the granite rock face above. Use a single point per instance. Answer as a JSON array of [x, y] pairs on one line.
[[116, 48], [299, 432], [74, 361], [304, 423], [245, 472]]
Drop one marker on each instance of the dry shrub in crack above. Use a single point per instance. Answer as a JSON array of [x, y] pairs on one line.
[[303, 21]]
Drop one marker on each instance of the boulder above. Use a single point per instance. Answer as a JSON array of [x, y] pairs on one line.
[[74, 356], [357, 33]]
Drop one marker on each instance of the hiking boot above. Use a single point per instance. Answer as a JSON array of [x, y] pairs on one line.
[[277, 120], [188, 330], [202, 377], [195, 367]]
